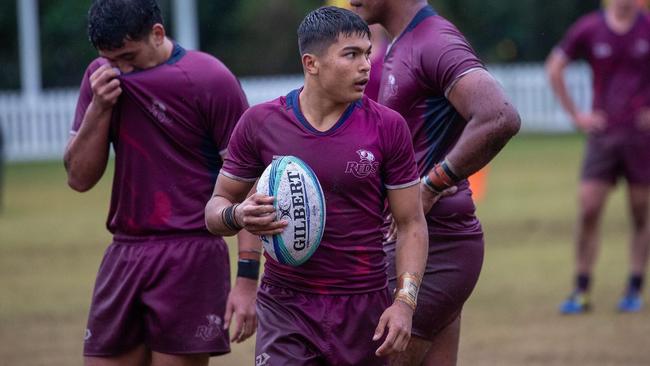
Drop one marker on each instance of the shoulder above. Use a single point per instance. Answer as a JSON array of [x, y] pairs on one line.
[[437, 31], [204, 68], [263, 113], [589, 22], [384, 116]]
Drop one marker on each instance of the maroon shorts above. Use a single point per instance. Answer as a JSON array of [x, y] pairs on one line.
[[453, 266], [608, 157], [167, 293], [298, 328]]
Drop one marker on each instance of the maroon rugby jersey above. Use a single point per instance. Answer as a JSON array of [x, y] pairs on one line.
[[365, 153], [620, 65], [420, 68], [168, 129]]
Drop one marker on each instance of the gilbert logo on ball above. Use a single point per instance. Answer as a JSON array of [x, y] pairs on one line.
[[299, 199]]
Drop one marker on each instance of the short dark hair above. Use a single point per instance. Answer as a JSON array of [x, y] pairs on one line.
[[110, 22], [322, 27]]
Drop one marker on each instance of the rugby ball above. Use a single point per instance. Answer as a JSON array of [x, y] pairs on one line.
[[299, 199]]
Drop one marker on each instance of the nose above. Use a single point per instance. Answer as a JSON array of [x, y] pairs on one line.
[[123, 66], [365, 66]]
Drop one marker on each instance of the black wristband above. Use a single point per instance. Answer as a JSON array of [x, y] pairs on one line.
[[449, 172], [248, 268]]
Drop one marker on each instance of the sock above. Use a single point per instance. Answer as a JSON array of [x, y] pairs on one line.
[[582, 282], [635, 283]]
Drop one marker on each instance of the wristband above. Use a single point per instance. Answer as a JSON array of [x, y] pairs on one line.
[[408, 285], [248, 268], [441, 177], [427, 184], [228, 218], [251, 254]]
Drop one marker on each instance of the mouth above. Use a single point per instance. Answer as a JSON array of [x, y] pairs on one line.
[[361, 84]]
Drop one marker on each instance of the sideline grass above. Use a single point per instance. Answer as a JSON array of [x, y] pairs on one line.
[[52, 240]]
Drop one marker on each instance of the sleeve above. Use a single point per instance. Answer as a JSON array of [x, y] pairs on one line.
[[399, 170], [574, 42], [446, 58], [243, 162], [85, 97], [226, 103]]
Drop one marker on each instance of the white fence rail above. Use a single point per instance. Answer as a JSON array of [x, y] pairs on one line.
[[38, 129]]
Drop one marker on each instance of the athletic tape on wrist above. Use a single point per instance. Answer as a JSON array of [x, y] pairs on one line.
[[408, 286]]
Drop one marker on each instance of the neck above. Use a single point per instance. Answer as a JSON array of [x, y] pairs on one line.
[[401, 14], [165, 51], [318, 107]]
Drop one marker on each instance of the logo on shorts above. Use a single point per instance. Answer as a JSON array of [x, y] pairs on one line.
[[364, 167], [262, 360], [87, 334], [212, 330]]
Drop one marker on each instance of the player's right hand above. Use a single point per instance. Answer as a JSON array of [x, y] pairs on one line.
[[591, 122], [105, 86], [397, 319], [258, 216]]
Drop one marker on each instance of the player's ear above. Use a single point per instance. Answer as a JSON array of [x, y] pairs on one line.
[[158, 34], [310, 63]]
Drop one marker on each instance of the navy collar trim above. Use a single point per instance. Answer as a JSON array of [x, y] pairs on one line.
[[421, 15], [177, 54], [294, 101]]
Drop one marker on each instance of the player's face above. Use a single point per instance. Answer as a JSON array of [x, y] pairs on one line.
[[370, 10], [344, 68], [624, 5], [137, 55]]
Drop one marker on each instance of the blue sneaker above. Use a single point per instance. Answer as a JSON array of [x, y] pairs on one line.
[[577, 303], [630, 303]]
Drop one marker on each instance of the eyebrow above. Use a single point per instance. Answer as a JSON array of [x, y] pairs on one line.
[[356, 48]]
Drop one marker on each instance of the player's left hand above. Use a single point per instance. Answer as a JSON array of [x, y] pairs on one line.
[[397, 318], [240, 306], [643, 119], [430, 198]]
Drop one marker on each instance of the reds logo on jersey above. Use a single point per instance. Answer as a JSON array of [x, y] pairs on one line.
[[364, 167], [390, 89]]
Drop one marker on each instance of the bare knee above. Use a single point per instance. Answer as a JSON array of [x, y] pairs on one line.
[[163, 359]]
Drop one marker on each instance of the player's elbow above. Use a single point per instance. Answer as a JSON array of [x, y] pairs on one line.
[[79, 185], [508, 121], [77, 181]]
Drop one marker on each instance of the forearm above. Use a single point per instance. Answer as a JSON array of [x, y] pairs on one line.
[[482, 139], [412, 246], [555, 66], [86, 154], [215, 211], [558, 85]]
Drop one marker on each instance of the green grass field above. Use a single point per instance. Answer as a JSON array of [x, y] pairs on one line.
[[52, 240]]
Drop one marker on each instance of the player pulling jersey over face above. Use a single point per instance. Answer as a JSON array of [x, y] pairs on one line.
[[361, 152], [162, 288]]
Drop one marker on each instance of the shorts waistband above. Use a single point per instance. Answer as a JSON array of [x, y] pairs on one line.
[[162, 238]]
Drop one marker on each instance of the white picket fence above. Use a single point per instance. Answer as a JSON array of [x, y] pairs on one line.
[[38, 129]]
